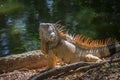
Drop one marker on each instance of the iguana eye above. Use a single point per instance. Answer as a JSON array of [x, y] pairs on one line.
[[51, 28]]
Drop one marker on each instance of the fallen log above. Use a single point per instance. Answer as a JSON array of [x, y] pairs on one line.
[[29, 60], [78, 66]]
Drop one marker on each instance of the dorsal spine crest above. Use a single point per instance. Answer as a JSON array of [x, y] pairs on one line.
[[82, 41]]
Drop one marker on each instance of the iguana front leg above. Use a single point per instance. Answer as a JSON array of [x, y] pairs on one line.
[[44, 48], [92, 58], [51, 59]]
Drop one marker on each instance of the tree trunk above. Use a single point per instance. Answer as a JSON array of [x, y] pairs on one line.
[[29, 60]]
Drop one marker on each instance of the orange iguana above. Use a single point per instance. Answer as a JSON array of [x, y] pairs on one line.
[[56, 43]]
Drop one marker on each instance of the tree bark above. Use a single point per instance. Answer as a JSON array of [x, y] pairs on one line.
[[29, 60]]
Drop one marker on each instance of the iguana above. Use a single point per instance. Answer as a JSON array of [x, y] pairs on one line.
[[70, 49]]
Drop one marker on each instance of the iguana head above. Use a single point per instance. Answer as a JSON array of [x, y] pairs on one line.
[[49, 36], [48, 32]]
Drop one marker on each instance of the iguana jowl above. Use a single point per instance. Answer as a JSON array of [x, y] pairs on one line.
[[69, 49]]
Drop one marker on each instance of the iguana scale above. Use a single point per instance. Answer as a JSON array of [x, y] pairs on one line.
[[73, 49]]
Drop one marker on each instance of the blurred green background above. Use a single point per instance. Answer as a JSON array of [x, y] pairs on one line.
[[19, 21]]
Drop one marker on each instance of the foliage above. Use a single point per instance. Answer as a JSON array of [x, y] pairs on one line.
[[10, 7], [107, 18], [97, 19]]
